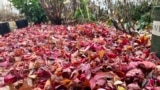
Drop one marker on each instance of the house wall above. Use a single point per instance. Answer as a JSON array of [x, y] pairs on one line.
[[7, 7]]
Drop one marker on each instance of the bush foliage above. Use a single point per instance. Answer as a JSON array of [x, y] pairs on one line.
[[125, 15], [31, 9]]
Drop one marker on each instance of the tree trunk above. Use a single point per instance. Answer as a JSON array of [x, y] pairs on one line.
[[56, 21], [155, 42], [74, 4], [53, 9]]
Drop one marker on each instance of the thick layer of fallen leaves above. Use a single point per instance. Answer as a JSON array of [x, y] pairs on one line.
[[81, 57]]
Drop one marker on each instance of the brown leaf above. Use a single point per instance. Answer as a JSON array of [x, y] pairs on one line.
[[48, 85], [86, 82], [66, 82], [25, 86], [11, 87]]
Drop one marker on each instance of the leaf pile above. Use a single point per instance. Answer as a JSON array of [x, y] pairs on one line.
[[81, 57]]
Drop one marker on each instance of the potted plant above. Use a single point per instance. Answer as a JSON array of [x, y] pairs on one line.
[[21, 23], [4, 28]]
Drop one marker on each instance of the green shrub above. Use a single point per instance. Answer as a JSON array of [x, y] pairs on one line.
[[31, 9], [144, 21]]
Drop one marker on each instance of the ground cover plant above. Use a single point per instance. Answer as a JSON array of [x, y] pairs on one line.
[[80, 57]]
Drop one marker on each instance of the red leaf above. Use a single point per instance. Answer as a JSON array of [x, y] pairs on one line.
[[111, 55], [42, 73], [82, 54], [10, 79], [148, 64], [158, 80], [19, 52], [124, 41]]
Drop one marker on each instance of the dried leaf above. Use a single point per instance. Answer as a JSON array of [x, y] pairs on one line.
[[10, 79], [25, 86], [66, 82], [120, 88], [148, 64], [11, 87], [134, 72], [79, 56], [101, 53], [86, 83], [133, 86], [4, 64], [111, 55], [118, 82], [48, 85], [144, 83]]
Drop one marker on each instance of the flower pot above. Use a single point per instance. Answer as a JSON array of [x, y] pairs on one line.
[[155, 41], [21, 23], [4, 28]]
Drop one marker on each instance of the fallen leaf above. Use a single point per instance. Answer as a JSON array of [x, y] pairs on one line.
[[11, 87], [133, 86], [120, 88], [48, 85], [134, 72], [101, 53], [93, 55], [148, 64], [25, 86], [66, 82]]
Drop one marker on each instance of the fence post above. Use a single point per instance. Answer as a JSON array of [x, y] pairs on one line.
[[155, 41]]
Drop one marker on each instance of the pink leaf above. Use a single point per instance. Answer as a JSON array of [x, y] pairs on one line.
[[134, 72], [5, 63], [148, 64], [133, 86], [133, 65]]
